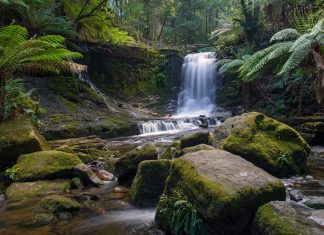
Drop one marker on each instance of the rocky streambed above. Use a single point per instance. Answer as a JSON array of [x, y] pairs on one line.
[[250, 175]]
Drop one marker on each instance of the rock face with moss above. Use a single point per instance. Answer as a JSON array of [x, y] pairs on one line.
[[267, 143], [225, 189], [25, 191], [58, 203], [196, 148], [18, 137], [282, 218], [149, 182], [46, 165], [126, 166], [194, 139]]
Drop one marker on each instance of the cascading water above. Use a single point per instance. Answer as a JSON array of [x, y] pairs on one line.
[[198, 79], [196, 102]]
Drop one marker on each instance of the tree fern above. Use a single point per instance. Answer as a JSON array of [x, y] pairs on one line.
[[285, 34]]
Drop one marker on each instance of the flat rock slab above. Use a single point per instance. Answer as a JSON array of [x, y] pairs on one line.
[[283, 218], [225, 189]]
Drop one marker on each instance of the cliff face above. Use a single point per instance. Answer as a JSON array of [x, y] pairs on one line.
[[122, 84]]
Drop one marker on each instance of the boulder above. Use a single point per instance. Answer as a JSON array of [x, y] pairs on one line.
[[315, 162], [126, 166], [194, 139], [167, 153], [87, 175], [283, 218], [315, 203], [19, 137], [149, 182], [225, 189], [267, 143], [196, 148], [46, 165], [313, 132], [43, 218], [25, 191], [58, 204]]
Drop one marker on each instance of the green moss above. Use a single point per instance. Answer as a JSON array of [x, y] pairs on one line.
[[196, 148], [29, 190], [43, 218], [229, 209], [57, 204], [66, 87], [268, 144], [194, 139], [267, 222], [61, 118], [167, 153], [18, 137], [71, 106], [126, 166], [46, 165], [149, 182]]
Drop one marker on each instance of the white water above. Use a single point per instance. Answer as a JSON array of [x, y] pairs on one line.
[[198, 80]]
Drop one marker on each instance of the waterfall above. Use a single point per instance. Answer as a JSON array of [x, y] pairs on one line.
[[198, 80]]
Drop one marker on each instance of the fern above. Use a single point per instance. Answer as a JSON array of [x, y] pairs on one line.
[[232, 64], [284, 35]]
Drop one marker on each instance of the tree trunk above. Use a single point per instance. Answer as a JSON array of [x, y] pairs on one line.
[[2, 96], [319, 81], [301, 97]]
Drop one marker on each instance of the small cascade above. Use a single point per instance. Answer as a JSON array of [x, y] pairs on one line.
[[171, 126]]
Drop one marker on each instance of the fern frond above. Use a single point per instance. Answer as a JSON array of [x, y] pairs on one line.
[[285, 34], [231, 65], [220, 63]]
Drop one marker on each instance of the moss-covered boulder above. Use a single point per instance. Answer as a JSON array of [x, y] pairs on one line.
[[46, 165], [282, 218], [267, 143], [194, 139], [58, 203], [196, 148], [167, 153], [18, 137], [29, 190], [126, 166], [225, 189], [313, 132], [149, 182]]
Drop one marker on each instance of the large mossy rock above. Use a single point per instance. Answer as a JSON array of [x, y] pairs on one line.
[[267, 143], [29, 190], [193, 149], [18, 137], [194, 139], [126, 166], [58, 203], [46, 165], [225, 189], [282, 218], [149, 182]]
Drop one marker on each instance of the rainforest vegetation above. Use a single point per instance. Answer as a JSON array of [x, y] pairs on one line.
[[104, 128]]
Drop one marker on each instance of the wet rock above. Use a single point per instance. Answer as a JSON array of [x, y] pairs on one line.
[[87, 175], [194, 139], [64, 215], [149, 182], [126, 166], [283, 218], [43, 218], [315, 203], [18, 137], [121, 190], [267, 143], [105, 175], [315, 162], [313, 132], [29, 190], [220, 185], [46, 165], [296, 195], [58, 203]]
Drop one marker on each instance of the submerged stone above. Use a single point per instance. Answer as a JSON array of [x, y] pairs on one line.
[[267, 143], [19, 137], [29, 190], [149, 182], [46, 165], [58, 203], [283, 218], [225, 189], [126, 166]]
